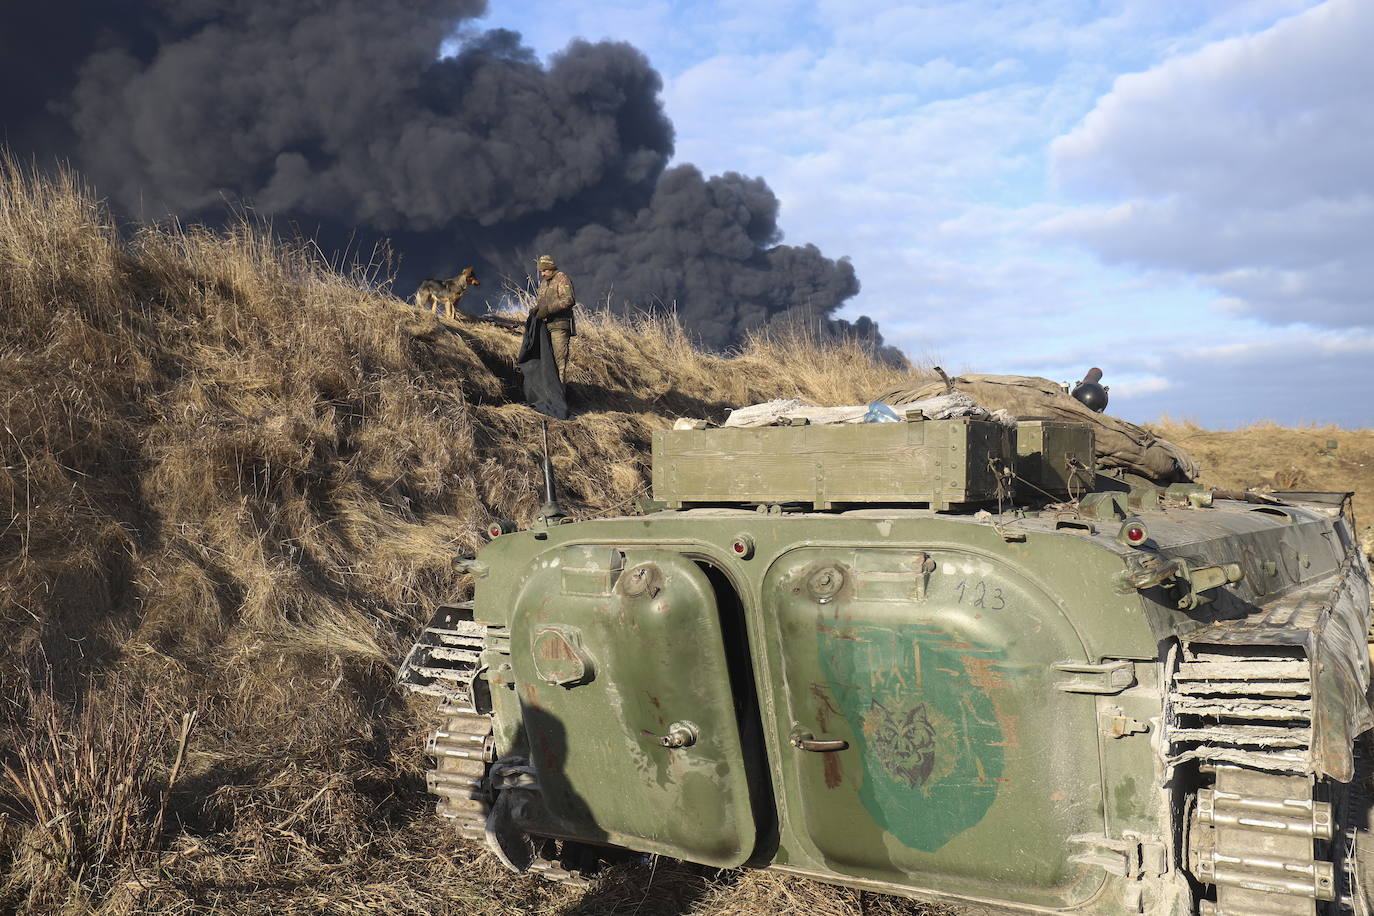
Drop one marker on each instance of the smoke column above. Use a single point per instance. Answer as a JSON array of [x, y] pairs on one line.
[[340, 118]]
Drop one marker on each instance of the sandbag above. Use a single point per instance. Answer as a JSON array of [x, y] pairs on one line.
[[1119, 444]]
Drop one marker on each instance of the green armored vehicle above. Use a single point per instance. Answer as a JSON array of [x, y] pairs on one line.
[[944, 659]]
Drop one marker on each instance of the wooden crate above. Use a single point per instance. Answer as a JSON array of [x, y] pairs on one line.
[[940, 463], [1054, 458]]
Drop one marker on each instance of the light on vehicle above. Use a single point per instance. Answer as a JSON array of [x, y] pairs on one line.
[[1133, 532]]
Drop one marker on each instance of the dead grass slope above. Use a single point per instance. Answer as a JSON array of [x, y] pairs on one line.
[[232, 481], [1283, 458]]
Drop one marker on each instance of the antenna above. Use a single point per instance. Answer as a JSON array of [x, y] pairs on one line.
[[550, 511]]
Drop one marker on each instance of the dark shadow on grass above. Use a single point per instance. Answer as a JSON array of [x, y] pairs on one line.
[[587, 398], [657, 887]]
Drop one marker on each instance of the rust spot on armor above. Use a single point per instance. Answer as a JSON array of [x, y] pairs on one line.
[[833, 776], [530, 694], [825, 706], [555, 650], [985, 674]]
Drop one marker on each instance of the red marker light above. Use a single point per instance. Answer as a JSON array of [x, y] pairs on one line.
[[499, 527], [743, 547], [1133, 533]]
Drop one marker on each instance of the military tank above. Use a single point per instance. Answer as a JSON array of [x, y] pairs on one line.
[[940, 658]]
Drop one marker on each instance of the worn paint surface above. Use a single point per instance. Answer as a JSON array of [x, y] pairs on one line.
[[971, 771], [952, 725], [588, 637], [928, 735]]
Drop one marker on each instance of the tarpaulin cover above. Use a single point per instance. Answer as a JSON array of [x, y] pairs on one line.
[[543, 388], [1119, 444]]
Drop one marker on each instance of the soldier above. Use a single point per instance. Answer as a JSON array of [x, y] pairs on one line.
[[554, 304]]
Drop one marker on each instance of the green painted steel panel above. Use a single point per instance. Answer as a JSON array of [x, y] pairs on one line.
[[937, 462], [966, 768], [648, 660], [1054, 458]]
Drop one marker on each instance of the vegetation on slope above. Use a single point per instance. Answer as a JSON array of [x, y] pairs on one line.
[[233, 481]]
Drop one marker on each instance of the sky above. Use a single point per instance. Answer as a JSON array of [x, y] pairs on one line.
[[1178, 191]]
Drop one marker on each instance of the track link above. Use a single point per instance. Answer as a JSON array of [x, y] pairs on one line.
[[1263, 835], [446, 663]]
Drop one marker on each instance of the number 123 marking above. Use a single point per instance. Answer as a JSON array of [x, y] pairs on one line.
[[981, 595]]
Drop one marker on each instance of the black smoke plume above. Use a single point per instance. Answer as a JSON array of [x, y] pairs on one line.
[[340, 118]]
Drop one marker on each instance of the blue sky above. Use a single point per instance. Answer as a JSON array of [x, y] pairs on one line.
[[1179, 192]]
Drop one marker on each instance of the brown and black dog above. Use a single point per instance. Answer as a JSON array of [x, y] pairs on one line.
[[442, 295]]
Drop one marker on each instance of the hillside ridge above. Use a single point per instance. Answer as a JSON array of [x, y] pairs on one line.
[[236, 479]]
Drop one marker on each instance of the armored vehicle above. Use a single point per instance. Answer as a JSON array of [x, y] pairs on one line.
[[946, 659]]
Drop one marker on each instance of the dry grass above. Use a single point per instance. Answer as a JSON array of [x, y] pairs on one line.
[[1284, 458], [233, 480], [85, 790]]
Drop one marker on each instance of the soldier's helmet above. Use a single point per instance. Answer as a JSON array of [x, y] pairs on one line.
[[546, 262]]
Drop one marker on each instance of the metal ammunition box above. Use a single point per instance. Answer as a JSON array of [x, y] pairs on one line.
[[1054, 458], [944, 464]]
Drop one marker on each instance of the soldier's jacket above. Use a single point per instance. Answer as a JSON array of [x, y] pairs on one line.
[[555, 300]]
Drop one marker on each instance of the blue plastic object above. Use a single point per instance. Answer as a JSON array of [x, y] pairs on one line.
[[878, 412]]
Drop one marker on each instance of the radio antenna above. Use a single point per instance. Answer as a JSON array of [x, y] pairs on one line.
[[550, 511]]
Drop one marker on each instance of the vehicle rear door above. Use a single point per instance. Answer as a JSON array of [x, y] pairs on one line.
[[924, 739], [614, 652]]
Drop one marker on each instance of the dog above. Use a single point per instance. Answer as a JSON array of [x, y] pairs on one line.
[[442, 295]]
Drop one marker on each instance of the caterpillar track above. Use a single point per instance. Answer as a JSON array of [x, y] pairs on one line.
[[1264, 833], [446, 664]]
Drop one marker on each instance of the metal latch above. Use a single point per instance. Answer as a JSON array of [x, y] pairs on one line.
[[472, 565], [1202, 579], [1107, 678], [1190, 583], [925, 565], [1146, 571], [1115, 724], [1130, 856], [804, 740]]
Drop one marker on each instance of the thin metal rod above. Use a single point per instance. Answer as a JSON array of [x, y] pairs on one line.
[[550, 509]]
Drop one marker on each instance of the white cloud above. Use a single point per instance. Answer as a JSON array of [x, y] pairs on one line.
[[1138, 386], [1293, 378], [916, 138], [1248, 163]]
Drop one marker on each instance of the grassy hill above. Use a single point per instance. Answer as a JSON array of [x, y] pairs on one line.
[[1284, 458], [232, 480]]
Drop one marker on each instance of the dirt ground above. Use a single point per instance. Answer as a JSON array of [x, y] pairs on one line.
[[1283, 458]]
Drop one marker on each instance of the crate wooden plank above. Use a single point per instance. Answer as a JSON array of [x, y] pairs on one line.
[[934, 462], [1055, 457]]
